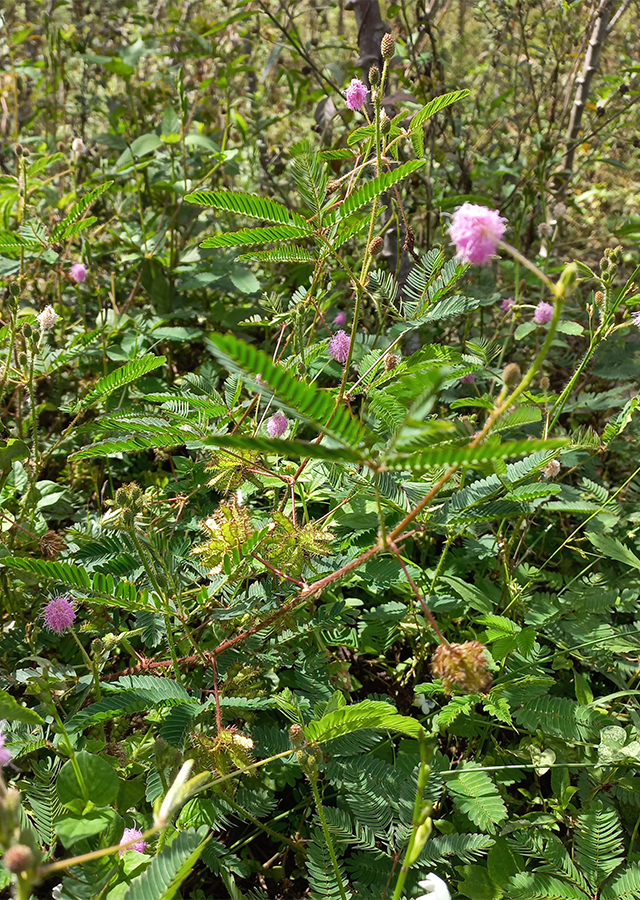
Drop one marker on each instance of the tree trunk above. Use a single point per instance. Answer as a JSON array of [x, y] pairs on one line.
[[371, 30], [583, 87]]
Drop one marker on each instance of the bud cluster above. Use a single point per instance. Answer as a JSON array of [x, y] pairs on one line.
[[462, 666]]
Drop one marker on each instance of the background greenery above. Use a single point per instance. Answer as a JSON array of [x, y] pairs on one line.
[[138, 478]]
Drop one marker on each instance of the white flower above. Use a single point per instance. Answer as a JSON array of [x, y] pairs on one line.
[[435, 887], [47, 318], [77, 145], [551, 469], [56, 892]]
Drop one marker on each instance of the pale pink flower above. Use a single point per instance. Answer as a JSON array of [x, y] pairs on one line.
[[635, 318], [339, 346], [277, 425], [129, 834], [59, 614], [475, 231], [507, 303], [341, 318], [5, 755], [468, 379], [79, 272], [356, 94], [543, 313], [47, 318]]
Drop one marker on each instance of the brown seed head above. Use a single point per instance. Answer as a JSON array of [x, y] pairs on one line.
[[375, 246], [544, 383], [391, 361], [410, 239], [463, 666]]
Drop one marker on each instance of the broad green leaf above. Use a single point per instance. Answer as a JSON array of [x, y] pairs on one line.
[[168, 870], [10, 450], [100, 784], [13, 711], [74, 827]]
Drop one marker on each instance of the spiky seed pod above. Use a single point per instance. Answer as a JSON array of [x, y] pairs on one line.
[[19, 858], [388, 46], [391, 361], [463, 666], [51, 544], [385, 123], [511, 374], [374, 76], [375, 246], [296, 735]]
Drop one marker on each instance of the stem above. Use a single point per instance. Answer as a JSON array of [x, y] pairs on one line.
[[327, 835]]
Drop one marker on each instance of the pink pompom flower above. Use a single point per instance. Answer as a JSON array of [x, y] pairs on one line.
[[130, 834], [475, 231], [5, 755], [507, 303], [277, 425], [468, 379], [356, 94], [339, 346], [543, 313], [79, 272], [341, 318], [59, 614]]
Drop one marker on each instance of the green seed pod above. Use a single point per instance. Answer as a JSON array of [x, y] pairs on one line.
[[511, 374], [374, 76], [385, 123]]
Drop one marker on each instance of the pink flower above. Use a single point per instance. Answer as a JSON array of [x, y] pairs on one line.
[[468, 379], [79, 272], [356, 94], [5, 755], [130, 834], [507, 303], [635, 318], [340, 319], [59, 614], [277, 425], [543, 313], [475, 231], [339, 346]]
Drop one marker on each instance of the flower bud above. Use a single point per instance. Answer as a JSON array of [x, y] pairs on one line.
[[375, 246], [19, 858], [374, 76], [27, 330], [567, 280], [296, 735], [385, 123], [387, 46], [19, 149], [544, 383], [511, 374], [422, 836]]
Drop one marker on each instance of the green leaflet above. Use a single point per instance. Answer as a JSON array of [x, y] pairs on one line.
[[374, 188], [451, 455], [118, 379], [475, 795], [322, 877], [74, 576], [280, 254], [270, 234], [168, 870], [251, 205], [527, 886], [432, 107], [375, 714], [291, 449], [613, 549], [77, 210], [310, 401]]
